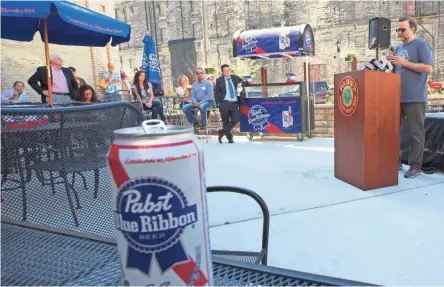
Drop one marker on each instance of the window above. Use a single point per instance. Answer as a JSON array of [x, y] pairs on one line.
[[133, 63], [183, 57]]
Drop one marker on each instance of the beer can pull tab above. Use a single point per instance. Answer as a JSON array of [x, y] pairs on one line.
[[153, 126]]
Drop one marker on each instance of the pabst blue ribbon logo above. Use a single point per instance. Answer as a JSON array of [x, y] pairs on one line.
[[249, 44], [150, 62], [154, 65], [152, 214], [258, 117], [308, 41]]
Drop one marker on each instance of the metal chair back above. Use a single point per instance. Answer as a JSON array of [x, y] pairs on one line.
[[55, 155], [245, 256]]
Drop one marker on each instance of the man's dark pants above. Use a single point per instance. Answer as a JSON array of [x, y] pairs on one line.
[[414, 114], [230, 116]]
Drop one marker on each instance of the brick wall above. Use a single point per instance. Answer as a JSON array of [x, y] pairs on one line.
[[324, 121], [19, 60]]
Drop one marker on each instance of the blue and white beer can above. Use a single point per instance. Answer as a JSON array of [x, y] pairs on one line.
[[160, 206]]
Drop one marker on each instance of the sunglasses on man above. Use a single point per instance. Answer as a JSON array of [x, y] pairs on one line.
[[402, 30]]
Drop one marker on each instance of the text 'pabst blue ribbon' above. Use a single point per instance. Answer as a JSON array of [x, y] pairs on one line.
[[152, 215]]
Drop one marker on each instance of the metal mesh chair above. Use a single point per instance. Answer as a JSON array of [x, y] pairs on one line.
[[49, 148], [172, 107], [246, 256], [138, 104]]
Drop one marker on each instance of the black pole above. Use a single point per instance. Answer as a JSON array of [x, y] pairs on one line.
[[377, 54], [148, 21], [157, 42]]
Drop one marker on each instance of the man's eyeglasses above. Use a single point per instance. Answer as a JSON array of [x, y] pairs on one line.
[[402, 30], [199, 73]]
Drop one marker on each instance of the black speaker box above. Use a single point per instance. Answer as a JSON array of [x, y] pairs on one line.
[[379, 30]]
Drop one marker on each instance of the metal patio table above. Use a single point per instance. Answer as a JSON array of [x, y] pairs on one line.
[[37, 255]]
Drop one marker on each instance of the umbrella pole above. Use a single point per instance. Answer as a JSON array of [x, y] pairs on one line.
[[48, 67], [307, 86]]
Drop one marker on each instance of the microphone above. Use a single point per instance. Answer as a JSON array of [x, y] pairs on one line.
[[392, 49], [375, 65], [379, 66], [369, 66], [391, 67]]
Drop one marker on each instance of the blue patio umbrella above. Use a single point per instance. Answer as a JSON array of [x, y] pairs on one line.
[[150, 65], [62, 23]]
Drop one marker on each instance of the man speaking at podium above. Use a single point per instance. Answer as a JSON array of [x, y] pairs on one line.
[[413, 61]]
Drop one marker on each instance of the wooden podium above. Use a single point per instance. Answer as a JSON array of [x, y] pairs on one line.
[[366, 128]]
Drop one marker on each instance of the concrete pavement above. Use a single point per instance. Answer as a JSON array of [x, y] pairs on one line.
[[389, 236]]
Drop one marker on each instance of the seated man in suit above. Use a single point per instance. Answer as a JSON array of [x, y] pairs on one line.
[[202, 97], [64, 84], [228, 101]]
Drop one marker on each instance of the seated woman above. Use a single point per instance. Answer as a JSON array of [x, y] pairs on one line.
[[86, 94], [142, 91], [184, 89]]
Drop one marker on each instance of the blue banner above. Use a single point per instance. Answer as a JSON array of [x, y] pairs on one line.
[[270, 115], [150, 65], [274, 42]]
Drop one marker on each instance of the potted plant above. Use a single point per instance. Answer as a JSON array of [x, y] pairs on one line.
[[349, 57], [212, 70]]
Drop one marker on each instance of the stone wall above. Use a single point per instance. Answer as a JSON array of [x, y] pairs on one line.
[[19, 60], [333, 21]]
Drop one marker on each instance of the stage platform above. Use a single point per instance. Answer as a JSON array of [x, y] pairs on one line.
[[434, 142]]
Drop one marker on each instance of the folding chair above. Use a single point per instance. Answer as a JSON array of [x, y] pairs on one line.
[[213, 123], [139, 103], [172, 109]]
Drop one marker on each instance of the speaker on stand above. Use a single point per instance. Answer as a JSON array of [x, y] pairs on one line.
[[379, 30]]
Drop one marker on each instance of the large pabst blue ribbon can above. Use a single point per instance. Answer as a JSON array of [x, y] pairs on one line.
[[160, 210]]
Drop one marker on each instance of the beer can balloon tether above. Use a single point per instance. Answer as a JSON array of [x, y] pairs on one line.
[[159, 201]]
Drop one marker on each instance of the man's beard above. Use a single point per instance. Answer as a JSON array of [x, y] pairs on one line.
[[403, 38]]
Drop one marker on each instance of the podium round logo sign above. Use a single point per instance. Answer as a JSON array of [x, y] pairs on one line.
[[348, 96]]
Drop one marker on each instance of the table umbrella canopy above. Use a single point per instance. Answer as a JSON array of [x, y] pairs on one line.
[[279, 42], [68, 23]]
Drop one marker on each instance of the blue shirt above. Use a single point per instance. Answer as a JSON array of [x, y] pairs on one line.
[[229, 81], [22, 98], [202, 92], [414, 84]]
